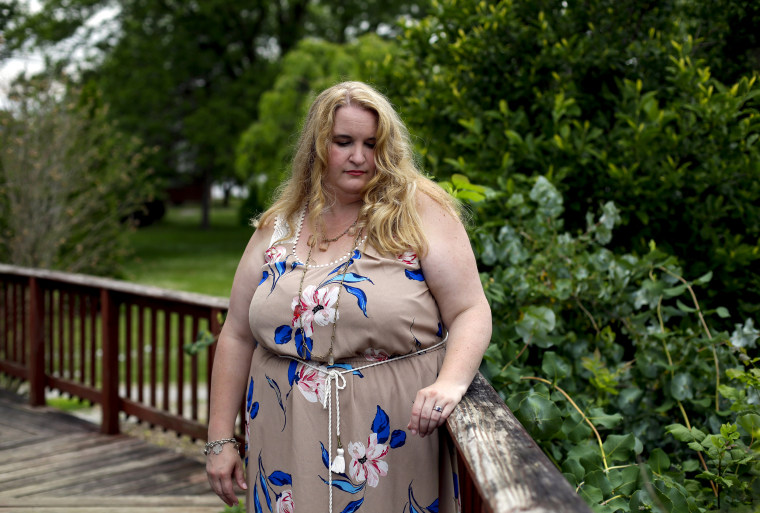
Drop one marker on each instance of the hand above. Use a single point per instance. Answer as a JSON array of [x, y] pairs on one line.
[[221, 469], [425, 419]]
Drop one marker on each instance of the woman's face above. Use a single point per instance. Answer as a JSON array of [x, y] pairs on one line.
[[351, 161]]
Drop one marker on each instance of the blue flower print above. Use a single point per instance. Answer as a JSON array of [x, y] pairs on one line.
[[251, 410], [367, 464], [415, 507], [276, 388], [410, 258], [316, 305], [347, 277], [276, 259], [277, 479]]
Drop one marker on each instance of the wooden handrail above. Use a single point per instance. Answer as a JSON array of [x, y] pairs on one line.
[[98, 339], [498, 458], [125, 287], [111, 342]]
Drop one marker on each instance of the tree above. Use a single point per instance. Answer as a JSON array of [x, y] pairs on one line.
[[728, 36], [264, 150], [195, 72], [341, 22], [8, 11], [69, 182], [611, 101], [644, 397], [186, 76]]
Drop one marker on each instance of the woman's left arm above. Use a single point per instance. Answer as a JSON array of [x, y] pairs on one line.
[[452, 275]]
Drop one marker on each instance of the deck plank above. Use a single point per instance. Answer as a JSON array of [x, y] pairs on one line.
[[53, 462]]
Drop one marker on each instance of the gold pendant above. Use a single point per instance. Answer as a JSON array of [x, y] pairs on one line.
[[323, 245], [312, 241]]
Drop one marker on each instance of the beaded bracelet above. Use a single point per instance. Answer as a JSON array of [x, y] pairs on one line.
[[217, 445]]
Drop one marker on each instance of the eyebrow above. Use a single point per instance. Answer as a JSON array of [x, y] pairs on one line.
[[346, 136]]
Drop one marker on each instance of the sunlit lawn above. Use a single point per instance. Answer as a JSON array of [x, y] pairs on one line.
[[176, 254]]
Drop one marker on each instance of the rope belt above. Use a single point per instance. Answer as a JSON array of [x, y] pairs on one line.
[[334, 377]]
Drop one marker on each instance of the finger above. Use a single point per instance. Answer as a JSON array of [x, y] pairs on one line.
[[228, 492], [436, 413], [240, 476], [418, 413], [428, 417], [414, 421], [436, 419], [216, 485], [425, 415], [213, 481]]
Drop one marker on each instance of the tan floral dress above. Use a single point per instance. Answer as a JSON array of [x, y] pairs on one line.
[[297, 403]]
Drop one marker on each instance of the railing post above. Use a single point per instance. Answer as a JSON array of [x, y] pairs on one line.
[[109, 319], [36, 344], [215, 327]]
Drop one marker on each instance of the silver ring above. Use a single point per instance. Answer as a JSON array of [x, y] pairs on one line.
[[438, 409]]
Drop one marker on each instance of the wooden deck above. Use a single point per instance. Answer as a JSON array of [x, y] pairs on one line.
[[52, 462]]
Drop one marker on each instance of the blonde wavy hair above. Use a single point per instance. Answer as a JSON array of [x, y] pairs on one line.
[[389, 215]]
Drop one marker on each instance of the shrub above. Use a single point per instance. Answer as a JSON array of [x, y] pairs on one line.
[[611, 102], [612, 365], [68, 182], [265, 148]]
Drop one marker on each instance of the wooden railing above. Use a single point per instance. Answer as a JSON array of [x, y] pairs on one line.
[[502, 468], [114, 343], [122, 345]]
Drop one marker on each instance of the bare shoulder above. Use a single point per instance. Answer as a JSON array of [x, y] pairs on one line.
[[246, 280], [448, 246], [252, 260], [449, 263], [432, 210], [258, 243], [439, 222], [261, 237]]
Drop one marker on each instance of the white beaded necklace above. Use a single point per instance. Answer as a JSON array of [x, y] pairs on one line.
[[314, 266]]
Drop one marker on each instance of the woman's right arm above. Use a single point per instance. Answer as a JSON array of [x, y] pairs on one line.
[[232, 360]]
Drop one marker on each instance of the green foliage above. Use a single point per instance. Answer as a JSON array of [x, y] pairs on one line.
[[67, 403], [265, 147], [69, 181], [8, 10], [237, 508], [186, 77], [340, 22], [609, 361], [611, 101], [731, 39]]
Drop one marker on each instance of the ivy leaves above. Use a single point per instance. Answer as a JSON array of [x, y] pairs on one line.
[[598, 353]]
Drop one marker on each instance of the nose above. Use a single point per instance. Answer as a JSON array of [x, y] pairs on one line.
[[357, 155]]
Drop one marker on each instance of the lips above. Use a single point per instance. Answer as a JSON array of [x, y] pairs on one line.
[[355, 172]]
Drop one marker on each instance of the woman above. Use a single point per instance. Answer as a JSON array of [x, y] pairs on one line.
[[356, 324]]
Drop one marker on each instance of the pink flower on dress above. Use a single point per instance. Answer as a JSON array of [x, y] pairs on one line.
[[314, 305], [311, 383], [375, 355], [285, 502], [367, 462], [408, 257], [274, 254]]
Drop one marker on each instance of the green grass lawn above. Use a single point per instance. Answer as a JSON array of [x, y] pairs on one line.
[[177, 254]]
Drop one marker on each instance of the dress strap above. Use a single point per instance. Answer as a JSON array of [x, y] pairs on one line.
[[282, 228]]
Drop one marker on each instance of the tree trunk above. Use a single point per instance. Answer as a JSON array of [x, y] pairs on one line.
[[227, 188], [206, 201]]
